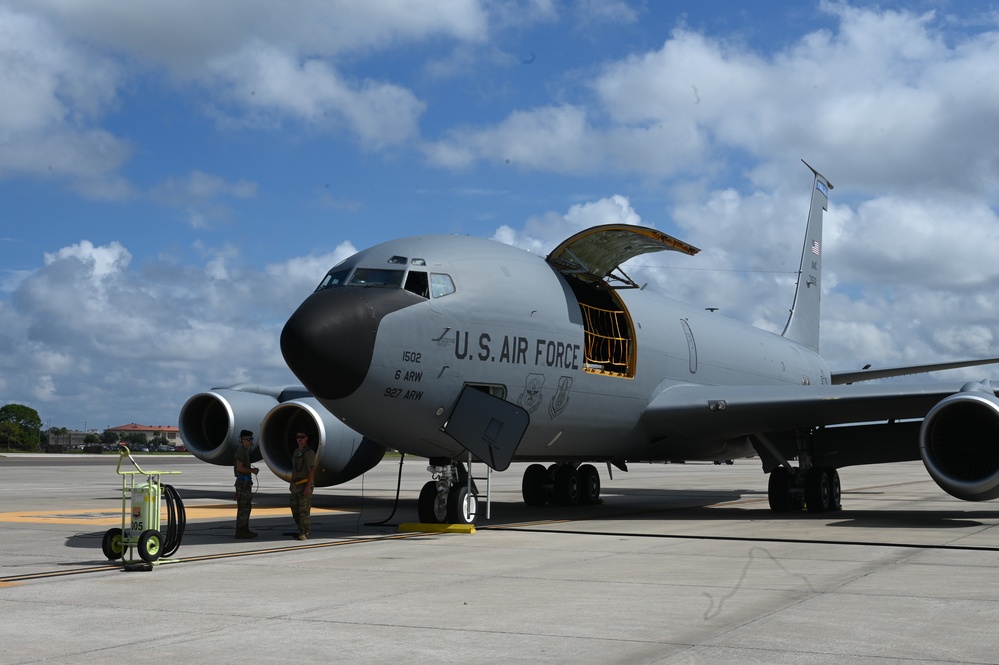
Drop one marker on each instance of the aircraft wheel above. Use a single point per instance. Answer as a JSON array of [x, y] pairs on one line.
[[533, 485], [567, 488], [150, 545], [817, 490], [589, 480], [779, 491], [432, 506], [461, 505], [113, 544], [835, 490], [550, 485]]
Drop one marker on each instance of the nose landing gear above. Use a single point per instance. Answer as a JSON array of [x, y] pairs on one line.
[[446, 499]]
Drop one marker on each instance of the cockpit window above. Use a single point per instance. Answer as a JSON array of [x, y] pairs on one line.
[[377, 277], [334, 278], [417, 283], [441, 284]]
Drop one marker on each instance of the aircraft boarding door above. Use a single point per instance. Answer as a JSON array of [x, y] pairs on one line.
[[591, 263], [488, 427]]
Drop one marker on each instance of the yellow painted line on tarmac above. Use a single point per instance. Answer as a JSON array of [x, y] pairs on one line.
[[113, 517], [423, 527]]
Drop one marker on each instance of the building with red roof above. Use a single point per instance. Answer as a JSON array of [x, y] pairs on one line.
[[171, 434]]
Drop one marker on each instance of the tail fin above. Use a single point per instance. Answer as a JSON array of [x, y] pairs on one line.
[[803, 325]]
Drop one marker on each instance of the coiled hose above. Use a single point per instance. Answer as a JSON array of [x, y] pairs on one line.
[[176, 520]]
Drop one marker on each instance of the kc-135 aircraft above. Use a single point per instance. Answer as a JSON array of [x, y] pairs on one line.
[[455, 348]]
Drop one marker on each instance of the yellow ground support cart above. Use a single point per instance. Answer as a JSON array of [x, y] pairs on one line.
[[142, 497]]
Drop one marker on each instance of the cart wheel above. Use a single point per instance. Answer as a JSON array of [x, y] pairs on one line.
[[113, 544], [150, 545]]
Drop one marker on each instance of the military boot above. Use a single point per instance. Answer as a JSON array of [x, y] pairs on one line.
[[245, 533]]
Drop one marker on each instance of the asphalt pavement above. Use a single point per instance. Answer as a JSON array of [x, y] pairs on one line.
[[681, 563]]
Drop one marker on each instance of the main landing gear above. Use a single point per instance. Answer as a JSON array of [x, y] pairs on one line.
[[446, 499], [817, 489], [562, 484]]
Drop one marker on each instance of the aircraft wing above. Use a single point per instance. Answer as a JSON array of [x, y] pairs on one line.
[[886, 372], [700, 412]]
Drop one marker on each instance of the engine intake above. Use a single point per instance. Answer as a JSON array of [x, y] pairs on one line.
[[210, 422], [341, 453], [959, 443]]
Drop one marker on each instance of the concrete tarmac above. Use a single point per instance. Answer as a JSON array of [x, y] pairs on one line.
[[682, 563]]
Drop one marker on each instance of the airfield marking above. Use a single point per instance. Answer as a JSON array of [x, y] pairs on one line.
[[113, 517]]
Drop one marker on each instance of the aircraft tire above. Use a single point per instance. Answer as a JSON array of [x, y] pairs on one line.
[[430, 508], [550, 486], [779, 492], [150, 545], [817, 490], [567, 486], [461, 505], [589, 482], [533, 486], [113, 544], [835, 490]]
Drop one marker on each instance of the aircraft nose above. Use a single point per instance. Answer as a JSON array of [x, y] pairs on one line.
[[330, 339]]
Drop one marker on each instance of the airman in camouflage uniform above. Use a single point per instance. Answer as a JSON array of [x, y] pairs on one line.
[[244, 485], [303, 473]]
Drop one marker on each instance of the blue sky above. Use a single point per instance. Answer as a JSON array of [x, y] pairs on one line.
[[176, 177]]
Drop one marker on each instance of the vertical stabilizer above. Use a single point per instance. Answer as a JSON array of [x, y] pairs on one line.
[[803, 325]]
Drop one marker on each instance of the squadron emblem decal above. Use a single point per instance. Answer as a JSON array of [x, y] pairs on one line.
[[530, 399], [561, 398]]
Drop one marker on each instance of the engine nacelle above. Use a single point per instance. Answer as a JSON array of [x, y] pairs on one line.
[[959, 443], [341, 453], [210, 422]]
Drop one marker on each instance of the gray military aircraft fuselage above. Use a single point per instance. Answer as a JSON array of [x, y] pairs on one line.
[[396, 332]]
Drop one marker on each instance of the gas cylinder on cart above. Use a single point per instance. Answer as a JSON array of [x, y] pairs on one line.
[[144, 527], [145, 509]]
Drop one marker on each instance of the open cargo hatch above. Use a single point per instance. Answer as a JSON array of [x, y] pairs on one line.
[[591, 260], [596, 253]]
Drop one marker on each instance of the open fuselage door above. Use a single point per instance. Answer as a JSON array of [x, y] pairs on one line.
[[591, 262]]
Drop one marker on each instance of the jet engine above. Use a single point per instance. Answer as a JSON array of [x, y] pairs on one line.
[[210, 422], [959, 443], [341, 453]]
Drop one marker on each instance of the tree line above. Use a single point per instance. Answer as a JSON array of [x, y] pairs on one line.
[[21, 429]]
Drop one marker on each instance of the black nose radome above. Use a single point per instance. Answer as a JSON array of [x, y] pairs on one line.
[[329, 341]]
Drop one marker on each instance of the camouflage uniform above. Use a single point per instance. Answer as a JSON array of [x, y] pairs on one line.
[[301, 505], [244, 491]]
